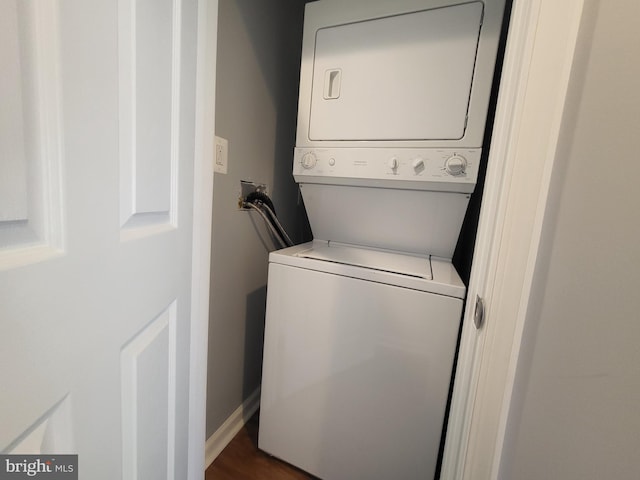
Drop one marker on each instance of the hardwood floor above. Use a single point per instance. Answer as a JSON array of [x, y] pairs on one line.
[[241, 460]]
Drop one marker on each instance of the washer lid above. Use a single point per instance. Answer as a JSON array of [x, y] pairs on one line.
[[398, 263], [444, 281]]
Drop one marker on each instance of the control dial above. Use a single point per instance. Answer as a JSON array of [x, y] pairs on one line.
[[456, 165], [392, 163], [418, 165], [309, 160]]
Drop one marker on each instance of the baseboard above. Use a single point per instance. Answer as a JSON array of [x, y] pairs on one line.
[[232, 425]]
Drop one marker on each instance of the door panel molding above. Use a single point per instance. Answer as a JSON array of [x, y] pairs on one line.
[[31, 229], [52, 432], [143, 434], [149, 98]]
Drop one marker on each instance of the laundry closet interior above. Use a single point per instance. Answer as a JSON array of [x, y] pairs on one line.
[[386, 237]]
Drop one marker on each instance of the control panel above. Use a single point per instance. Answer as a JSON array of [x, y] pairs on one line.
[[415, 168]]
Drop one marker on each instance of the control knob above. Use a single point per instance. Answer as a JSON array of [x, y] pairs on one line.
[[309, 160], [393, 163], [418, 165], [455, 165]]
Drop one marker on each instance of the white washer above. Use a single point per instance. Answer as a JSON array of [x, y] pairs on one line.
[[359, 348]]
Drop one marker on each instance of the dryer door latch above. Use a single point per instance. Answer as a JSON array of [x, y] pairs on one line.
[[478, 315]]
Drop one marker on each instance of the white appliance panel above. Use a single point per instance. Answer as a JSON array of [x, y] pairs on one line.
[[356, 375], [402, 77], [448, 170], [411, 221]]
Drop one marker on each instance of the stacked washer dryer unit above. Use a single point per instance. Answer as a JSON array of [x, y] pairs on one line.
[[362, 323]]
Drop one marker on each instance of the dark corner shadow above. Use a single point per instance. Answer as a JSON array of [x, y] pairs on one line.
[[253, 341]]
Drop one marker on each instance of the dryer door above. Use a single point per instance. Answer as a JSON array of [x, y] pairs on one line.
[[402, 77]]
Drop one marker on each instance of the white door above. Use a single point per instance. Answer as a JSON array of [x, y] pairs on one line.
[[96, 199]]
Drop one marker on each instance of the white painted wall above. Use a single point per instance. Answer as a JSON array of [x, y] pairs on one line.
[[575, 406], [258, 62]]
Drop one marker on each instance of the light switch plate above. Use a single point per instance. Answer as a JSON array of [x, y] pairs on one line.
[[221, 153]]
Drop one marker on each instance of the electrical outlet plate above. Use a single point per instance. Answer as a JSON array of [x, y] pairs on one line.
[[221, 153]]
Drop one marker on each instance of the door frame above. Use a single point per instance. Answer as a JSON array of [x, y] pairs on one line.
[[202, 227], [539, 54], [538, 60]]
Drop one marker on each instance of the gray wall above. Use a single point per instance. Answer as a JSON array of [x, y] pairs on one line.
[[576, 411], [259, 46]]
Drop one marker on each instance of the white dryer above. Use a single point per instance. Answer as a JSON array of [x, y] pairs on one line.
[[362, 323]]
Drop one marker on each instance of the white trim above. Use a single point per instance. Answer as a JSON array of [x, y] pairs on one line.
[[176, 71], [533, 103], [571, 34], [172, 390], [201, 254], [232, 425], [126, 107], [499, 170], [21, 256], [51, 124]]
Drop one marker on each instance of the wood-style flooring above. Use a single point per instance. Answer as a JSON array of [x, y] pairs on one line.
[[241, 460]]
